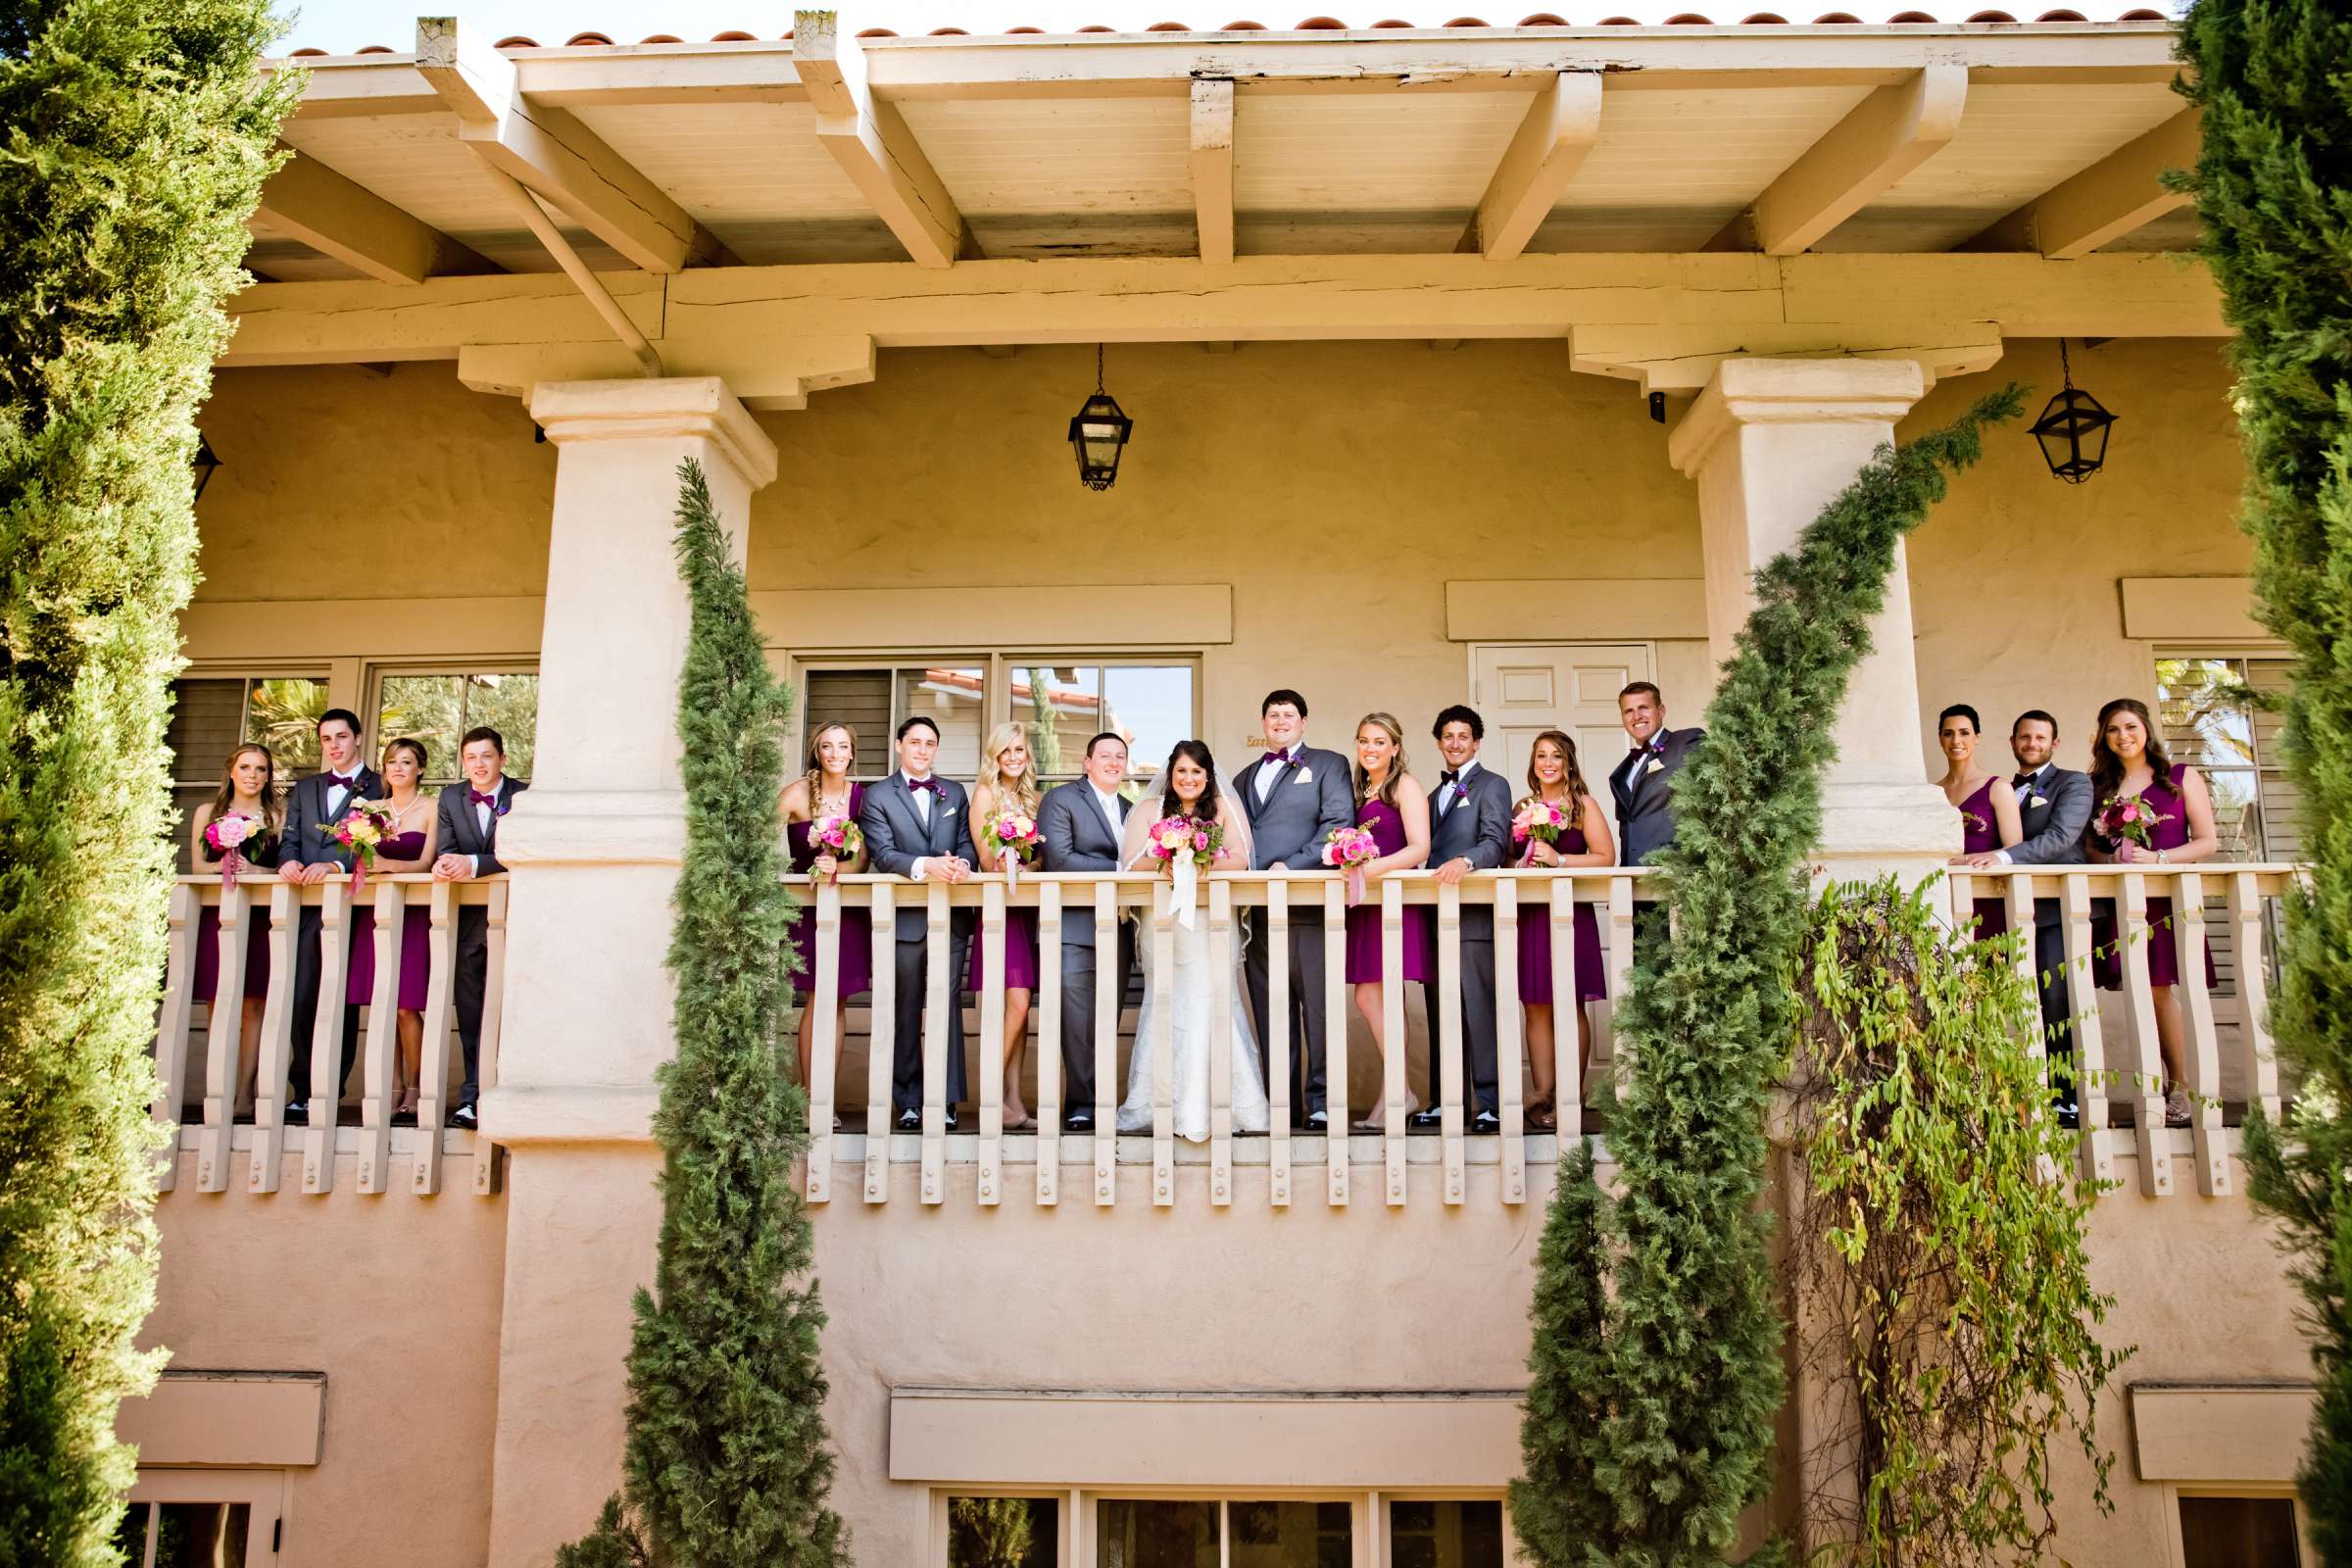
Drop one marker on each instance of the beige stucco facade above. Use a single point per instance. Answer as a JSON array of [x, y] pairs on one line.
[[1350, 518]]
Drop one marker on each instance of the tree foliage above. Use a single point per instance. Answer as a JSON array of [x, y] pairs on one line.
[[134, 142], [1948, 1318], [1644, 1440], [726, 1463]]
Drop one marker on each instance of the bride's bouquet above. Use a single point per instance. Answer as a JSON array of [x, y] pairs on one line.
[[837, 835], [1349, 850], [1186, 845], [361, 829]]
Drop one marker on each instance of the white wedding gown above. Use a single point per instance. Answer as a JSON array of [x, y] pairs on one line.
[[1192, 1033]]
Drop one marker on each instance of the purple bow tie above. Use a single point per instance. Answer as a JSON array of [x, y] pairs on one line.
[[341, 781], [479, 799], [1281, 756], [930, 784]]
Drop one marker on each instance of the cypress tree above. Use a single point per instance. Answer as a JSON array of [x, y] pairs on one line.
[[2274, 190], [1656, 1370], [726, 1463], [135, 141]]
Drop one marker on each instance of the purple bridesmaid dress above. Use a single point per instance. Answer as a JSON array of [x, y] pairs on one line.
[[259, 854], [1364, 922], [1980, 834], [1534, 939], [415, 934], [2164, 946], [855, 966]]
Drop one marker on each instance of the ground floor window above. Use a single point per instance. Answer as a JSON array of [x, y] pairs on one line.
[[1004, 1532], [202, 1519], [1446, 1532], [2238, 1533], [1200, 1532], [1111, 1531]]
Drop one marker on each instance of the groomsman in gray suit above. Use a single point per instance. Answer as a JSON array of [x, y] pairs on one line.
[[1080, 823], [1469, 830], [2053, 806], [1296, 796], [314, 806], [469, 849], [918, 825], [1644, 783]]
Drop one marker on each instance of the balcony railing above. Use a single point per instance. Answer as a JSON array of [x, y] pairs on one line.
[[387, 1156]]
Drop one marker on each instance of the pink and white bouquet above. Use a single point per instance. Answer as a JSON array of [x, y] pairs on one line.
[[837, 835], [1539, 822], [2127, 819], [1189, 838], [364, 827], [1012, 835], [1349, 850], [227, 833]]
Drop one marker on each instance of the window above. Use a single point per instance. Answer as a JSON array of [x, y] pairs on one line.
[[2212, 713], [872, 701], [1429, 1534], [1063, 706], [1003, 1532], [439, 708], [2238, 1533], [1193, 1532], [202, 1519], [213, 715]]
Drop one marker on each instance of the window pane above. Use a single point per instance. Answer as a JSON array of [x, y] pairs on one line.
[[201, 1535], [283, 716], [2206, 712], [2235, 817], [131, 1533], [1061, 707], [1153, 707], [208, 717], [212, 717], [857, 698], [510, 704], [949, 698], [1289, 1535], [2238, 1533], [1455, 1534], [1001, 1532], [1156, 1534], [427, 708]]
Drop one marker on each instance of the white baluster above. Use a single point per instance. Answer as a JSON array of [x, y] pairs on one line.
[[1162, 1047], [1392, 1025], [1048, 1042], [2097, 1141], [227, 1043], [2201, 1054], [1510, 1038], [440, 999], [1445, 1038], [380, 1047], [172, 1024], [1335, 1150], [2260, 1065], [494, 993], [325, 1044], [1278, 1042], [1108, 1000], [1568, 1007], [277, 1042], [2155, 1139], [881, 1037], [824, 1040], [1220, 1042], [994, 940], [937, 1000]]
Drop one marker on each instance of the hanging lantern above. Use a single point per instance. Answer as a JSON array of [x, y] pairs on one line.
[[206, 461], [2073, 429], [1099, 433]]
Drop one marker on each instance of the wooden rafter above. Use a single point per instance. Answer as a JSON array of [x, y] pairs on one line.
[[871, 141], [2121, 192], [1884, 137], [1211, 162], [1561, 128], [308, 201]]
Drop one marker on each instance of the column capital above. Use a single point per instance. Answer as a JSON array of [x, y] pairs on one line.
[[663, 408], [1836, 391]]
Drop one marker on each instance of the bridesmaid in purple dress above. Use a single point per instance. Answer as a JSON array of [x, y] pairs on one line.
[[2127, 760], [1007, 782], [247, 790], [407, 847], [824, 792], [1985, 802], [1391, 803], [1555, 779]]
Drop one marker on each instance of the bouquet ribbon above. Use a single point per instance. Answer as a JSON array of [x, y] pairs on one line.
[[359, 875], [1187, 875], [230, 863], [1356, 885]]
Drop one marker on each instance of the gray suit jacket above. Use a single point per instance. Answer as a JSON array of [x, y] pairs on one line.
[[1645, 797], [1477, 829], [2054, 817], [461, 834], [1311, 800], [896, 836], [305, 838], [1077, 838]]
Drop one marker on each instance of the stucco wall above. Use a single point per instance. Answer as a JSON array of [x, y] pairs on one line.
[[396, 1300]]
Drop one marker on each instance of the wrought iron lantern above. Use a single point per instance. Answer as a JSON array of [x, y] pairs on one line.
[[206, 461], [2073, 429], [1099, 433]]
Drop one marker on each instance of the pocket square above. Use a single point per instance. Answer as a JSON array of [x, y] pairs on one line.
[[1307, 775], [1653, 765]]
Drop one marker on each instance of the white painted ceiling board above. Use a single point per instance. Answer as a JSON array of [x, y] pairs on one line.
[[1351, 152], [1080, 156], [731, 162]]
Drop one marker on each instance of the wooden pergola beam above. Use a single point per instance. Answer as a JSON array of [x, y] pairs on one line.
[[308, 201], [550, 152], [1212, 165], [2121, 192], [1884, 137], [1562, 128], [873, 144]]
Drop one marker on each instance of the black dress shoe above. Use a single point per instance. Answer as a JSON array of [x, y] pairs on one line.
[[404, 1118], [1429, 1120], [1315, 1122], [1079, 1121], [951, 1118], [1486, 1123], [297, 1114], [2070, 1115], [911, 1121], [465, 1117]]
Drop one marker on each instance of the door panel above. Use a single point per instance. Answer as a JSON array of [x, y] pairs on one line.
[[1526, 690]]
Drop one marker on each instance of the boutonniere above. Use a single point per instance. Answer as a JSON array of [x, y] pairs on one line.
[[1307, 775]]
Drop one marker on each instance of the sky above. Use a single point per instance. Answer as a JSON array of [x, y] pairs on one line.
[[343, 27]]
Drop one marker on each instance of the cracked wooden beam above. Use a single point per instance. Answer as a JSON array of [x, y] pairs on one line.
[[871, 141], [1562, 128], [1212, 165]]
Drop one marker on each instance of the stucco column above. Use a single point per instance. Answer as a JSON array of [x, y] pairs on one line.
[[594, 849], [1769, 442]]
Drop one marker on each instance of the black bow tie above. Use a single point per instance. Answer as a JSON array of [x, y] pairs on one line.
[[2024, 779], [930, 784], [1452, 777]]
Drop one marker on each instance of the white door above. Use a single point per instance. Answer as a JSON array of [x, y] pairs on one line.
[[1524, 690]]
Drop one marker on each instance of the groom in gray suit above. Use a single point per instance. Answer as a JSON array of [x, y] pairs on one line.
[[1296, 796], [918, 825], [1469, 830], [2053, 806], [1080, 823]]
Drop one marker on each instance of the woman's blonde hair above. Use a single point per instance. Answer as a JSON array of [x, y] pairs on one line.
[[1388, 785], [816, 767], [273, 810], [1008, 793]]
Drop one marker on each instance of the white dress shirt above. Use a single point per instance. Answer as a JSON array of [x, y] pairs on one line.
[[481, 818], [1111, 808]]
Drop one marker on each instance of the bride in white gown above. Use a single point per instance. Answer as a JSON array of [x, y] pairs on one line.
[[1189, 786]]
